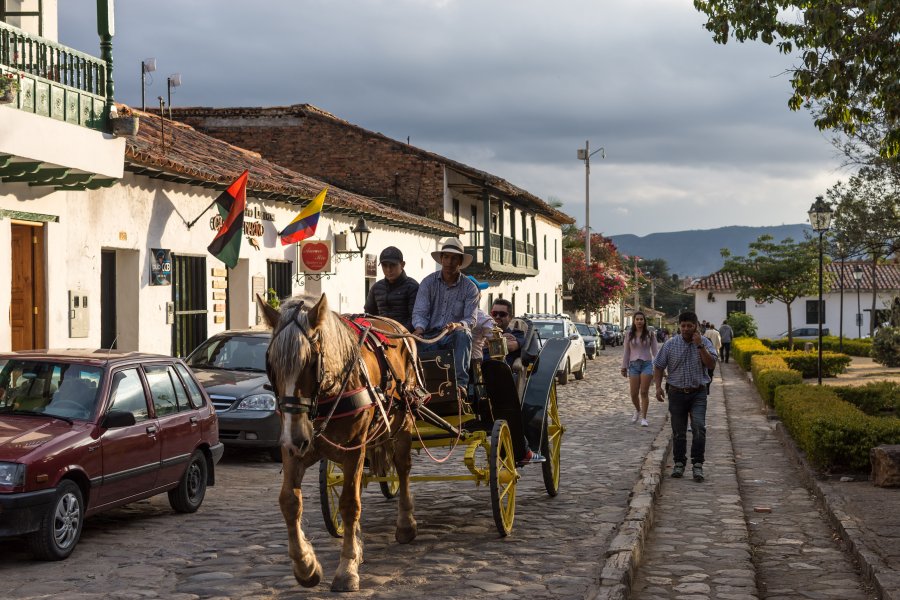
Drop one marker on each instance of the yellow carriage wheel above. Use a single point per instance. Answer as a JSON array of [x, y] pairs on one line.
[[390, 488], [503, 478], [552, 443], [331, 484]]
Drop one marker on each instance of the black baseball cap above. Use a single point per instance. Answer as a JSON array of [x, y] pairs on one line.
[[391, 254]]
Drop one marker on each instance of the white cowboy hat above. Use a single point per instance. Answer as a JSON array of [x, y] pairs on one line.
[[452, 246]]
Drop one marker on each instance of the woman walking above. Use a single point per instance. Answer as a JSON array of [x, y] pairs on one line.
[[637, 365]]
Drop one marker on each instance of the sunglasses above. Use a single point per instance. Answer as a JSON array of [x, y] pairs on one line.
[[498, 313]]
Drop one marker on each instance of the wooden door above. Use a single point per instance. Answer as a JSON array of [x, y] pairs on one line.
[[28, 302]]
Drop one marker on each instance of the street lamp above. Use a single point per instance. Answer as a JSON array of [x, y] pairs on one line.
[[570, 284], [585, 154], [857, 275], [820, 218]]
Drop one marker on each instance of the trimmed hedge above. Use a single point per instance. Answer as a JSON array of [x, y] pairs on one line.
[[769, 380], [830, 343], [878, 398], [832, 432], [744, 348], [833, 364]]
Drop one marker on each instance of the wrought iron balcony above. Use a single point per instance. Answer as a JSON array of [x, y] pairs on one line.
[[502, 257], [54, 81]]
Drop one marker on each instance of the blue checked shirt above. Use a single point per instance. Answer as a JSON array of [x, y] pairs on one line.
[[438, 304], [682, 360]]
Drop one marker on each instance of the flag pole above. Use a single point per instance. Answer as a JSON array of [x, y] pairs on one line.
[[192, 223]]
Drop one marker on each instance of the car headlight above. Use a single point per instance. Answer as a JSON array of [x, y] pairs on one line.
[[12, 474], [258, 402]]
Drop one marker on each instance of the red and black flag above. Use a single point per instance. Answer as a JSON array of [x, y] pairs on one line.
[[227, 244]]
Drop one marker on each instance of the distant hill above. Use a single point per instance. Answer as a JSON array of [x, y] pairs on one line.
[[697, 252]]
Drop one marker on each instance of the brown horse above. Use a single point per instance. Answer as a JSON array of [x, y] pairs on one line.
[[314, 356]]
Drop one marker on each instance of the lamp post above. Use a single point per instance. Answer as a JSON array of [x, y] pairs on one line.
[[857, 275], [820, 218], [585, 154]]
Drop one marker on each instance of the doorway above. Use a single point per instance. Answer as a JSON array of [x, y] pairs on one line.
[[108, 299], [28, 309], [189, 298]]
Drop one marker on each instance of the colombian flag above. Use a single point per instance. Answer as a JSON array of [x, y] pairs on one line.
[[304, 224], [226, 246]]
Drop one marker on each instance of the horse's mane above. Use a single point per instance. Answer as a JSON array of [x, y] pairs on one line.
[[289, 348]]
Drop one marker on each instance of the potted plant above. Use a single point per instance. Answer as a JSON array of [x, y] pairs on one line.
[[9, 87], [123, 121]]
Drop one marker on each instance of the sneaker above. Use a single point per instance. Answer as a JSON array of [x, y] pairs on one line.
[[678, 471], [644, 423], [635, 416], [698, 472], [532, 457]]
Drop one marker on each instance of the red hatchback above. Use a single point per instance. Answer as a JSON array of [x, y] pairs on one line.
[[84, 431]]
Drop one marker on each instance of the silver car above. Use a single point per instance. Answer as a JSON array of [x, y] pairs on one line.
[[550, 326]]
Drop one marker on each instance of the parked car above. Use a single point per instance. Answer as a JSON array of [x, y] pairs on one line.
[[231, 366], [803, 333], [550, 326], [85, 431], [591, 338], [611, 337]]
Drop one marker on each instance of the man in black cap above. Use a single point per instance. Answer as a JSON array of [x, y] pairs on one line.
[[395, 295]]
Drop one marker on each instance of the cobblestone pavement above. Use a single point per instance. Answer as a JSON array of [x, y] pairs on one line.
[[751, 530], [236, 545]]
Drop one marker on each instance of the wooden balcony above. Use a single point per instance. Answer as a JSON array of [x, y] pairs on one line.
[[500, 257]]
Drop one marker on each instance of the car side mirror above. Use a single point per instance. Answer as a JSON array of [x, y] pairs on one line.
[[574, 336], [118, 418]]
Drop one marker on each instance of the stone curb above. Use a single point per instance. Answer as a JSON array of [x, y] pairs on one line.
[[624, 553], [886, 582]]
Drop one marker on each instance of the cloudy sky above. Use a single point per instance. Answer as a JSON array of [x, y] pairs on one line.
[[696, 135]]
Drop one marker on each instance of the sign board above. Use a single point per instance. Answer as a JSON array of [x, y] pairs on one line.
[[371, 265], [314, 256], [160, 266]]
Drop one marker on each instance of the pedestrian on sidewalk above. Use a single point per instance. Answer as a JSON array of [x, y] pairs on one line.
[[713, 336], [637, 365], [686, 358], [727, 334]]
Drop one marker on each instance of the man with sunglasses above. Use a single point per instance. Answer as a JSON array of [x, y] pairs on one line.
[[501, 312]]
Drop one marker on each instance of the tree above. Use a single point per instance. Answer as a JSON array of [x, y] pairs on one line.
[[664, 292], [867, 217], [742, 324], [604, 282], [848, 52], [776, 272]]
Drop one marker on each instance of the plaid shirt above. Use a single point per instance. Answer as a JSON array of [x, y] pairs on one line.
[[682, 360], [438, 303]]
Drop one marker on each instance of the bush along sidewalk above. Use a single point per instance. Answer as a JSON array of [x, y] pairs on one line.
[[770, 371], [877, 399], [830, 343]]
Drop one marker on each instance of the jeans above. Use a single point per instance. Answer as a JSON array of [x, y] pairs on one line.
[[726, 350], [639, 367], [680, 404], [460, 341]]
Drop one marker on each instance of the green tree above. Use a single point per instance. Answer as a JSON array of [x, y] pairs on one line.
[[661, 291], [742, 324], [867, 217], [773, 272], [847, 50]]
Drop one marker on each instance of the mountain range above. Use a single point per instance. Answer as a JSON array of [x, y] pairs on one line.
[[698, 252]]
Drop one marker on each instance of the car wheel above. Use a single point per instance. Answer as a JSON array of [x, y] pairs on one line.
[[579, 374], [60, 529], [563, 377], [188, 496]]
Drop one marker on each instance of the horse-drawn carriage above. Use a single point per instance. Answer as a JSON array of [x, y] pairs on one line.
[[355, 403], [506, 413]]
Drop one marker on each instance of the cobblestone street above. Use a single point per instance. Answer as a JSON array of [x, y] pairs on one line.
[[236, 545]]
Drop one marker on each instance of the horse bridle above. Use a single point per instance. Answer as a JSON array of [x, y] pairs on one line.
[[295, 405]]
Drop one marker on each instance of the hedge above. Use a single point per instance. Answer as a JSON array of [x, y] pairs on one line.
[[830, 343], [833, 364], [832, 432], [743, 349], [769, 380], [875, 398]]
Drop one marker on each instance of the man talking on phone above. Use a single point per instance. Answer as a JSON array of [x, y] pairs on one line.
[[686, 358]]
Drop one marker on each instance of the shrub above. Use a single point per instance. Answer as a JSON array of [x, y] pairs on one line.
[[767, 381], [766, 362], [886, 347], [853, 347], [833, 363], [743, 324], [874, 398], [832, 432], [743, 349]]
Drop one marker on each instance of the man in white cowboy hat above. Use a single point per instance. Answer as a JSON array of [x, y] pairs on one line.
[[447, 300]]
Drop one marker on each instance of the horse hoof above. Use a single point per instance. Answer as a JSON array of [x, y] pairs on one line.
[[314, 580], [347, 583], [405, 535]]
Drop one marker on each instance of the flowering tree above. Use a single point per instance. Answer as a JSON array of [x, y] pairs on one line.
[[603, 282]]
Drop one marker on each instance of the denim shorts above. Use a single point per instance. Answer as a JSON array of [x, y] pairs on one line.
[[640, 367]]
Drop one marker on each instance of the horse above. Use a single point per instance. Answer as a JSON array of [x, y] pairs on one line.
[[314, 356]]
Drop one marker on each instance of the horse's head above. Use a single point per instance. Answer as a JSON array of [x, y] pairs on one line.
[[294, 364]]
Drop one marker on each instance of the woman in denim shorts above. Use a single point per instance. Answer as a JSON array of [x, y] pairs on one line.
[[637, 365]]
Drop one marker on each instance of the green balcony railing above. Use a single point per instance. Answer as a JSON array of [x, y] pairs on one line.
[[55, 81], [501, 246]]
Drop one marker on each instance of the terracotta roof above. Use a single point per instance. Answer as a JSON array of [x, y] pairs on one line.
[[308, 110], [887, 278], [193, 157]]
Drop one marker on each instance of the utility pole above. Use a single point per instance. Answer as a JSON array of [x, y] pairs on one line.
[[653, 294], [637, 299], [585, 154]]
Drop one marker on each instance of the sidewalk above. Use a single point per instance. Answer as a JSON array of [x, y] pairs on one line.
[[761, 525]]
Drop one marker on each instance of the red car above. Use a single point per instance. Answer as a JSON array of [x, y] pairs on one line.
[[83, 431]]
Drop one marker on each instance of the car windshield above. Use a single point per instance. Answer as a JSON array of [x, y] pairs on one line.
[[233, 353], [583, 329], [549, 330], [58, 389]]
